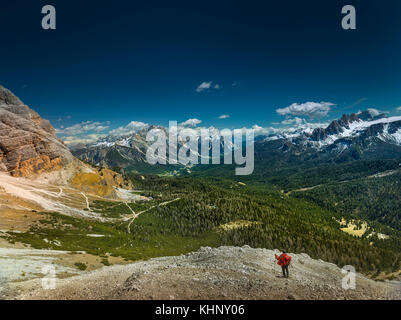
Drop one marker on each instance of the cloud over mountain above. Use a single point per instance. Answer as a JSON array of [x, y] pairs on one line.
[[307, 109], [131, 127], [191, 123], [295, 120], [89, 138], [83, 127]]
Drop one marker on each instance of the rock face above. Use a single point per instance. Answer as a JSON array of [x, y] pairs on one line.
[[28, 143], [336, 127]]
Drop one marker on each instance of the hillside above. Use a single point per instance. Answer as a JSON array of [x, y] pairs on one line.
[[220, 273], [39, 176], [375, 197], [37, 170]]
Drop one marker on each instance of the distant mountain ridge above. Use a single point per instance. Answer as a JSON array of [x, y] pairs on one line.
[[128, 152], [357, 136], [125, 152], [367, 135]]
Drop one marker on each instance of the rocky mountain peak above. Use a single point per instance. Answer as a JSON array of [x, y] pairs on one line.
[[370, 115], [28, 143], [339, 126], [7, 97]]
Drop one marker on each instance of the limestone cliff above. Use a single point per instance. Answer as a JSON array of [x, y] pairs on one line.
[[30, 148], [28, 143]]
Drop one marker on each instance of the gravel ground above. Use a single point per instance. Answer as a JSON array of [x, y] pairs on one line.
[[220, 273]]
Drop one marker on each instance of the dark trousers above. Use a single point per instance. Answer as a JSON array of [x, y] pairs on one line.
[[285, 271]]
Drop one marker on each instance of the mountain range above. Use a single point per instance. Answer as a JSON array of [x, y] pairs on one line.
[[367, 135]]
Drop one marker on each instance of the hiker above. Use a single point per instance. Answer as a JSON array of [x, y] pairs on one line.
[[284, 261]]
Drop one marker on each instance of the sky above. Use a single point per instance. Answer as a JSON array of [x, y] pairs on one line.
[[114, 66]]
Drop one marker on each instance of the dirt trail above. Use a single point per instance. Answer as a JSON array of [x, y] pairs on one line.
[[37, 194], [220, 273], [303, 189], [377, 175], [133, 212], [152, 207], [87, 201]]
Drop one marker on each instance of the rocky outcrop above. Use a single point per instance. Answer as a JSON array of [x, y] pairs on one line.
[[335, 127], [99, 181], [232, 273], [28, 143]]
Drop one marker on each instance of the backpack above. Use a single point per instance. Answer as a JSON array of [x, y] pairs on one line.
[[286, 259]]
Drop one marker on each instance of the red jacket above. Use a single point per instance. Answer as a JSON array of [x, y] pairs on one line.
[[283, 260]]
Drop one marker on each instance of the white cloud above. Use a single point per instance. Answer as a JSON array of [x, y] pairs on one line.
[[399, 108], [374, 112], [260, 130], [90, 138], [83, 127], [191, 123], [132, 127], [224, 116], [84, 132], [295, 120], [207, 85], [89, 131], [204, 86], [309, 109], [297, 125]]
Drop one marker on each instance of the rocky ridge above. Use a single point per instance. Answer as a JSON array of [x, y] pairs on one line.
[[28, 143], [214, 273]]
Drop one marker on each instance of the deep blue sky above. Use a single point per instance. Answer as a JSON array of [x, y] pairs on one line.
[[119, 60]]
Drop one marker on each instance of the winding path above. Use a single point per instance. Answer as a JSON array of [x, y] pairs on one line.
[[152, 207], [87, 201]]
